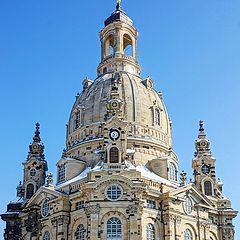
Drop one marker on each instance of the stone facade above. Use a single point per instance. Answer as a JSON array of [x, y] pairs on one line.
[[118, 176]]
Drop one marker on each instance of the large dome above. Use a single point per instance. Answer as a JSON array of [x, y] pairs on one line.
[[125, 96], [119, 118]]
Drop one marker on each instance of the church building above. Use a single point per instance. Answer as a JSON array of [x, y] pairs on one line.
[[118, 176]]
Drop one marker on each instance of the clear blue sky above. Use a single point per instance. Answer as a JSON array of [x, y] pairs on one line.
[[191, 48]]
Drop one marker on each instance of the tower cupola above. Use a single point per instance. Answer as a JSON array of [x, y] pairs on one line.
[[118, 44], [35, 168]]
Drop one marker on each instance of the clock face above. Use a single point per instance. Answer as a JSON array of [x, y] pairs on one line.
[[114, 134], [205, 169]]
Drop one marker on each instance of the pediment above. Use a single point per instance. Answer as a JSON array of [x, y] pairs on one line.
[[42, 194], [194, 193]]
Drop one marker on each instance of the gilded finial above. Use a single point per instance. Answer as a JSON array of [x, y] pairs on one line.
[[118, 4]]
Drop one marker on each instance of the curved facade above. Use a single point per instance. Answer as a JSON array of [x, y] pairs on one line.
[[118, 176]]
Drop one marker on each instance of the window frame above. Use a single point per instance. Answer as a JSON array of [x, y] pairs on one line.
[[29, 192], [80, 205], [208, 188], [114, 194], [114, 156], [151, 204], [114, 229], [45, 208], [172, 171], [80, 232], [46, 235], [188, 234], [61, 173], [150, 231], [157, 117], [188, 205], [77, 119]]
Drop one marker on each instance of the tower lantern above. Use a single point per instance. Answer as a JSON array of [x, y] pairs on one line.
[[118, 44]]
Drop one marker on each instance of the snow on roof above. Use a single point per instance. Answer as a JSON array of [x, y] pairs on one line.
[[130, 151], [77, 178], [145, 172]]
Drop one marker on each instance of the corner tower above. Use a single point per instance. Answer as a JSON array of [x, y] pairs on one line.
[[35, 168], [203, 166], [34, 174]]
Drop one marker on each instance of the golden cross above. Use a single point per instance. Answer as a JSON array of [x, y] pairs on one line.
[[119, 2]]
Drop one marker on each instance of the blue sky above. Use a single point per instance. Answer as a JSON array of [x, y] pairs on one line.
[[190, 48]]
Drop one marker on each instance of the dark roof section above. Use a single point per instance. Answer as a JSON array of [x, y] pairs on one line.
[[118, 15]]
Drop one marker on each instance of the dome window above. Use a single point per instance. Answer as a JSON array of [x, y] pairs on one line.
[[114, 155], [157, 117], [78, 119], [61, 173], [172, 172]]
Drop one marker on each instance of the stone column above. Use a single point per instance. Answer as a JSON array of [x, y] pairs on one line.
[[62, 227], [133, 222], [92, 212], [177, 227], [169, 226]]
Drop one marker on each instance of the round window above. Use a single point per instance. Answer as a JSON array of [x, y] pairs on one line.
[[188, 206], [45, 208], [32, 172], [114, 192]]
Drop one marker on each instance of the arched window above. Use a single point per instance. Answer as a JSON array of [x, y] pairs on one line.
[[109, 46], [208, 188], [127, 45], [172, 172], [46, 236], [114, 229], [150, 232], [188, 235], [114, 155], [45, 208], [188, 206], [78, 119], [80, 232], [157, 117], [61, 173], [30, 190]]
